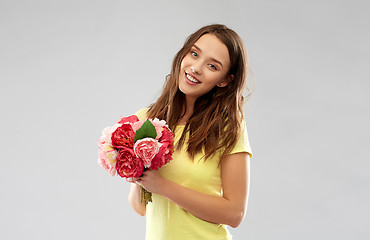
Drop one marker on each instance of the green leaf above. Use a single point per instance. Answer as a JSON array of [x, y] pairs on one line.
[[146, 130]]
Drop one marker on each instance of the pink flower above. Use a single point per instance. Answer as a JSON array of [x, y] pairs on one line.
[[146, 149], [107, 154], [128, 165], [107, 158], [158, 124], [123, 136], [130, 119], [111, 170]]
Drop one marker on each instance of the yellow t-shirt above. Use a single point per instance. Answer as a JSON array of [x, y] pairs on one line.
[[167, 221]]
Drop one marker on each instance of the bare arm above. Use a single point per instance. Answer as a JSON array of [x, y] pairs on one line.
[[228, 209], [134, 199]]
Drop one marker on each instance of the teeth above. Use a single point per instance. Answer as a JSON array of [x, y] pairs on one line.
[[191, 79]]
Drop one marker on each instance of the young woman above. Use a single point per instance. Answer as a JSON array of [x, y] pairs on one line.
[[205, 186]]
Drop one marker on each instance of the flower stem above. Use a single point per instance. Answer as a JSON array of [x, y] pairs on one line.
[[145, 196]]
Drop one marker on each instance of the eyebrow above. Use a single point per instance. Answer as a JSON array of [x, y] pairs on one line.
[[215, 60]]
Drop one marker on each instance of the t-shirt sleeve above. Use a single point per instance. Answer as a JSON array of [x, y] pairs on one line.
[[243, 143], [141, 114]]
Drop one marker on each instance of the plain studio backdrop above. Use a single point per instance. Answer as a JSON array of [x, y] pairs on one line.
[[70, 68]]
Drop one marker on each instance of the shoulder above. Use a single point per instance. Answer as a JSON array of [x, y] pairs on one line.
[[242, 145], [141, 114]]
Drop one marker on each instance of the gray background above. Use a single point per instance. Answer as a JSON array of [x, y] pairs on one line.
[[70, 68]]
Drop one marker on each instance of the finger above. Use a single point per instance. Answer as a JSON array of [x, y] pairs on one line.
[[132, 179], [139, 182]]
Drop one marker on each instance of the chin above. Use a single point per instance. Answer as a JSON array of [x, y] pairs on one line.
[[183, 89]]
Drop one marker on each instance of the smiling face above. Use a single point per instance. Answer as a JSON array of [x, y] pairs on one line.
[[206, 65]]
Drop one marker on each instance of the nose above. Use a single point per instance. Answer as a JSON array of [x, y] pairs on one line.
[[195, 68]]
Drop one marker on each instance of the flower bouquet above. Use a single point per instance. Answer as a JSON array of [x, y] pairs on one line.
[[130, 146]]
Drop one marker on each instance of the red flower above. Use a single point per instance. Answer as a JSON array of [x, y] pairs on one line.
[[128, 165], [165, 152], [123, 137], [163, 156], [130, 119], [167, 135]]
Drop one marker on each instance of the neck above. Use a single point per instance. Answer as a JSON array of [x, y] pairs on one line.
[[188, 109]]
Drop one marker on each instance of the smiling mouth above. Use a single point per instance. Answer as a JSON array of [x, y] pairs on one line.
[[191, 78]]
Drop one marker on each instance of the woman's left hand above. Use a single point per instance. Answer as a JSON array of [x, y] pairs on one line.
[[151, 181]]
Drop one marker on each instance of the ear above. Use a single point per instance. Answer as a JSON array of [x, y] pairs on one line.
[[226, 81]]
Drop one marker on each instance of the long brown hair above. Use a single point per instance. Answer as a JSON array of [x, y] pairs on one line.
[[216, 122]]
